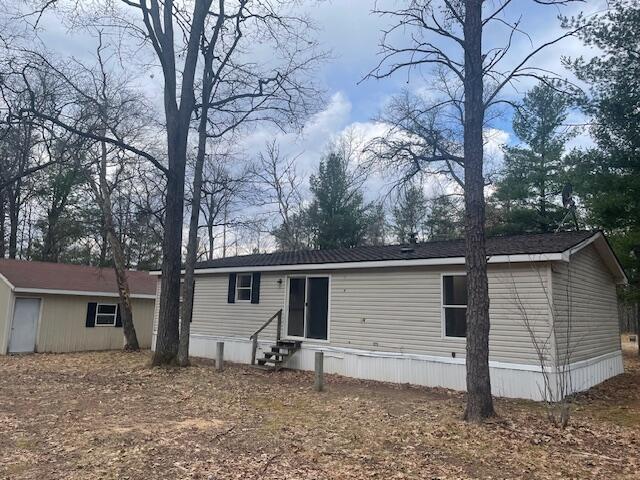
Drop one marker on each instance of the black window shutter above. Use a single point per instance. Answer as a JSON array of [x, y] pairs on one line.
[[255, 288], [91, 314], [231, 294], [118, 317]]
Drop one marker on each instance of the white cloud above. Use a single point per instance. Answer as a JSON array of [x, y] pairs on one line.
[[309, 144], [494, 141]]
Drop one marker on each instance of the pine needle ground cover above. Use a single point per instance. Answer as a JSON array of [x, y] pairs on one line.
[[109, 415]]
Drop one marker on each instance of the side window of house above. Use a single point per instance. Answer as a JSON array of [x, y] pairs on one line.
[[243, 287], [454, 305], [106, 314]]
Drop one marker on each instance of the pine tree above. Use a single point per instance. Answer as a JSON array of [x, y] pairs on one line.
[[376, 224], [410, 213], [529, 191], [337, 214], [607, 178], [445, 221]]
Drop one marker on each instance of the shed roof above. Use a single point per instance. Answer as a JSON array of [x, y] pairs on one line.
[[26, 276], [525, 244]]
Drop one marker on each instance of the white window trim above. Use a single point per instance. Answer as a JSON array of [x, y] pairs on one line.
[[250, 287], [443, 322], [115, 315]]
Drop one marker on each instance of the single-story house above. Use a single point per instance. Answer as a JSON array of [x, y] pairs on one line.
[[397, 313], [54, 307]]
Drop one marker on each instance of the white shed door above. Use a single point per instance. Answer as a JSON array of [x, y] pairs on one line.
[[24, 326]]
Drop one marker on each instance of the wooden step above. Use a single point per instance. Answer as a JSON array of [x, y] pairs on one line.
[[276, 358], [272, 360], [288, 343], [277, 354]]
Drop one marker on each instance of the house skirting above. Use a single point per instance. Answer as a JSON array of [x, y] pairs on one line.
[[510, 380]]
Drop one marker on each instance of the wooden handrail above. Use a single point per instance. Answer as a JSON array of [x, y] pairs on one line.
[[266, 324], [254, 336]]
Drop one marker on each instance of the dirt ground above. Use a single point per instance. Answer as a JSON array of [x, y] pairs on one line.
[[108, 415]]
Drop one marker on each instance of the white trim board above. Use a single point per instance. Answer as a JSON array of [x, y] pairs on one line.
[[507, 379], [318, 346], [417, 262], [80, 293], [8, 323], [6, 280], [604, 249]]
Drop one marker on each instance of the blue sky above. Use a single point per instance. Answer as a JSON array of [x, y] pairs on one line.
[[352, 33], [349, 30]]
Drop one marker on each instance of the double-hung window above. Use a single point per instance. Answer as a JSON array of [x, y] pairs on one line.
[[454, 305], [243, 287], [106, 314]]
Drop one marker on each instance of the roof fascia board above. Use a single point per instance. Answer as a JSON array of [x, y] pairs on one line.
[[6, 280], [584, 243], [612, 260], [79, 293], [542, 257]]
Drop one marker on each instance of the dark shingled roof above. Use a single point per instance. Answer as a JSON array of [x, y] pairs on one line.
[[79, 278], [534, 243]]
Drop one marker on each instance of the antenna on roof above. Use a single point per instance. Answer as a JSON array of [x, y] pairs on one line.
[[570, 205]]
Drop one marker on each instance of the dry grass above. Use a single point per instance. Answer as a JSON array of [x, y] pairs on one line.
[[108, 415]]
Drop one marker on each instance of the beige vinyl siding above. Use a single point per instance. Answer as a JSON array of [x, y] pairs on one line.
[[585, 307], [390, 310], [212, 315], [62, 326], [142, 310], [5, 314], [400, 311]]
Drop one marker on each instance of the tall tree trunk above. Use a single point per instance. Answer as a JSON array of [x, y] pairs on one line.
[[638, 325], [544, 223], [211, 241], [29, 227], [15, 199], [14, 217], [49, 247], [224, 232], [194, 221], [167, 340], [102, 260], [192, 244], [128, 328], [178, 121], [479, 400], [3, 202]]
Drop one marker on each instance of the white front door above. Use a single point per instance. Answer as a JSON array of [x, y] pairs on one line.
[[25, 325]]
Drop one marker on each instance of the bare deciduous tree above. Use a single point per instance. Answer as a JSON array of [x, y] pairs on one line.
[[97, 110], [554, 342], [279, 187], [234, 91], [451, 35]]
